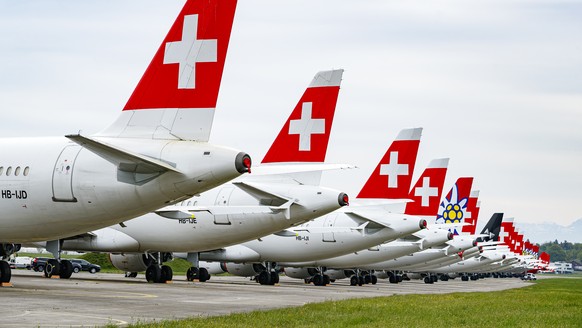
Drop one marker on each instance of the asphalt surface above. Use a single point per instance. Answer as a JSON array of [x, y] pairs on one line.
[[90, 300]]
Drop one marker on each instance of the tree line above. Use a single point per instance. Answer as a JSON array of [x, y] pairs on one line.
[[563, 251]]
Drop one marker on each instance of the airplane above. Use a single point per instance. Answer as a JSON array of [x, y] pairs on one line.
[[342, 232], [247, 208], [425, 194], [155, 154]]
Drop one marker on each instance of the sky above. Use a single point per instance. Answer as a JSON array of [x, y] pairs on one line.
[[496, 84]]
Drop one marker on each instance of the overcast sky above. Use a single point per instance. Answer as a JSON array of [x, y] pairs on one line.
[[496, 84]]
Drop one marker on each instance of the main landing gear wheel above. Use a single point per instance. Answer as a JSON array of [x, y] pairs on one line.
[[153, 273], [167, 273], [353, 281], [52, 268], [5, 272], [274, 277], [465, 278], [195, 273], [428, 280], [374, 279], [66, 269]]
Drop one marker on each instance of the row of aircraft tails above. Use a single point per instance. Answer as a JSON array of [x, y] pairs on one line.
[[150, 187]]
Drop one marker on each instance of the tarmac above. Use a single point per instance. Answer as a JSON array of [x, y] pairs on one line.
[[89, 300]]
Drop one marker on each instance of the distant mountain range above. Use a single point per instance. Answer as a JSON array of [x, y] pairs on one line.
[[545, 232]]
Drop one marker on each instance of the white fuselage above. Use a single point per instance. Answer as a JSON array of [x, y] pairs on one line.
[[63, 189], [224, 216], [307, 245]]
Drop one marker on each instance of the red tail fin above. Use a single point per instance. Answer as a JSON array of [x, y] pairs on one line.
[[428, 190], [392, 177], [176, 97], [305, 135], [473, 207]]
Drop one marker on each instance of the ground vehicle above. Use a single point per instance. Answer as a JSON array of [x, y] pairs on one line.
[[21, 262], [38, 263], [529, 276], [84, 265]]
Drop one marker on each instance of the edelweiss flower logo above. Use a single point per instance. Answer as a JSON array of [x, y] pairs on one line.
[[453, 209]]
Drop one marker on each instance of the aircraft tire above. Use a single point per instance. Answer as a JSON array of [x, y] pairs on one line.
[[274, 278], [66, 269], [318, 280], [192, 274], [167, 273], [353, 281], [361, 281], [374, 279], [465, 278], [52, 268], [326, 280], [5, 272], [203, 275], [428, 280], [153, 273]]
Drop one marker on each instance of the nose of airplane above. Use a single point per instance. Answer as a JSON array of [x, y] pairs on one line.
[[343, 199], [243, 162]]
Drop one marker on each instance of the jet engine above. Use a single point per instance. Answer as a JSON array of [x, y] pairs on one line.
[[130, 262], [339, 274], [301, 273], [243, 269]]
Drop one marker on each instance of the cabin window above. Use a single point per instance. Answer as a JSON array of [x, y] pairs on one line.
[[1, 170], [26, 169], [9, 171], [17, 171]]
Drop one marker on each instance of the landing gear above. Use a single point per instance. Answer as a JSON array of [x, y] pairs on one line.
[[158, 273], [5, 251], [269, 276], [321, 280], [5, 272], [195, 273], [52, 268], [130, 274], [154, 273], [465, 278], [66, 268], [428, 280]]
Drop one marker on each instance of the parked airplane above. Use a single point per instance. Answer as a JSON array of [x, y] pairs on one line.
[[425, 195], [338, 233], [155, 154], [250, 207]]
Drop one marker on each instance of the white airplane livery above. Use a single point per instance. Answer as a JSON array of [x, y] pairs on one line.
[[342, 232], [250, 207], [155, 154]]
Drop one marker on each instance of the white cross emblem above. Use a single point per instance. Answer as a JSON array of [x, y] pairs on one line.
[[306, 126], [393, 170], [190, 51], [425, 191]]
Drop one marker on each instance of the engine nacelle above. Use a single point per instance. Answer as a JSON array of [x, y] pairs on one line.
[[382, 274], [412, 275], [300, 273], [130, 262], [243, 269], [213, 267], [339, 274]]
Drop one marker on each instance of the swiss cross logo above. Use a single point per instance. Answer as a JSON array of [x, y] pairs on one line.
[[306, 126], [426, 191], [190, 51], [393, 170]]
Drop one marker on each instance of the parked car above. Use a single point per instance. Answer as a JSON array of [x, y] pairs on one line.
[[529, 276], [85, 266], [38, 263], [20, 262]]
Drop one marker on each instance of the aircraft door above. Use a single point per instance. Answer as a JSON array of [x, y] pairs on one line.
[[63, 174], [329, 222], [222, 200]]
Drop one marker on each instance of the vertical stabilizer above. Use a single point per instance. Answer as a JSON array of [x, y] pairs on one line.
[[305, 135], [393, 175], [428, 190], [177, 95]]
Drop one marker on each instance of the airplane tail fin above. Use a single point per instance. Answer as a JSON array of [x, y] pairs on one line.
[[492, 228], [305, 135], [393, 175], [428, 190], [453, 209], [473, 207], [176, 97]]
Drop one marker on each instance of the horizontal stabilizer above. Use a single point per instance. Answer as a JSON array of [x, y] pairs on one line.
[[262, 194], [124, 160], [268, 169], [363, 216]]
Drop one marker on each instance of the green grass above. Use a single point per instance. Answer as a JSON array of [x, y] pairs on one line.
[[546, 303]]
